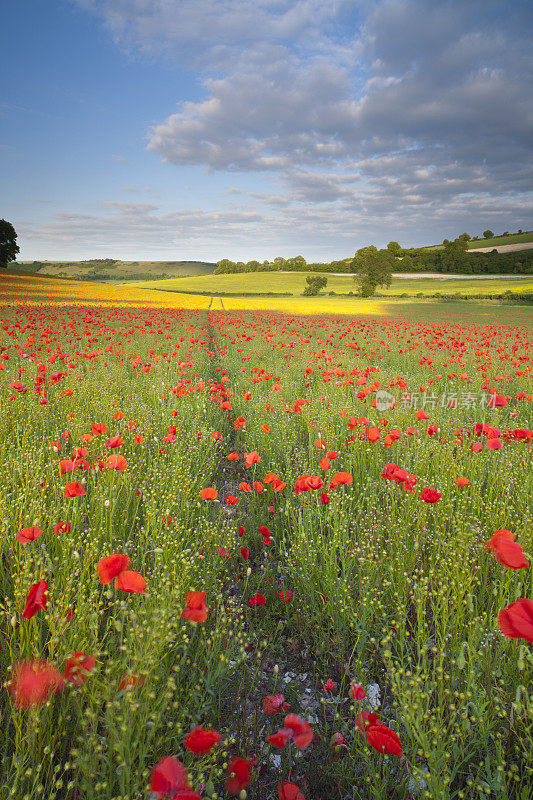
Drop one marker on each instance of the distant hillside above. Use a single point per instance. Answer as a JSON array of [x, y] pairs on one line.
[[496, 241], [109, 270]]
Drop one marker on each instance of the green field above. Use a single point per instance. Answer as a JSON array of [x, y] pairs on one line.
[[496, 241], [293, 283], [517, 238]]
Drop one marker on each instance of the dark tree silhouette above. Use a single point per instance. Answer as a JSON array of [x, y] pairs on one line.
[[8, 243]]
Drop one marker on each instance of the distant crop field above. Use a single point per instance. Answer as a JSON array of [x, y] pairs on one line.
[[517, 238], [293, 283]]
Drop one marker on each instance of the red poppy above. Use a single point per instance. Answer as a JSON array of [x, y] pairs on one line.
[[111, 566], [33, 682], [463, 482], [357, 691], [98, 428], [302, 733], [201, 740], [209, 494], [506, 550], [274, 703], [65, 465], [74, 490], [337, 740], [78, 667], [366, 718], [62, 527], [285, 596], [280, 738], [116, 462], [245, 553], [430, 495], [341, 479], [28, 535], [324, 498], [195, 608], [114, 441], [257, 600], [384, 740], [289, 791], [231, 500], [373, 435], [233, 457], [238, 775], [251, 458], [516, 621], [329, 685], [130, 581], [169, 777], [36, 599]]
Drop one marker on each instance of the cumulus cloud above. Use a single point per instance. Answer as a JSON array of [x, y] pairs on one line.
[[218, 29], [391, 109]]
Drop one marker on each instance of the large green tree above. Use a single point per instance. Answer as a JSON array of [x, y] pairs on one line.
[[372, 268], [454, 257], [8, 243]]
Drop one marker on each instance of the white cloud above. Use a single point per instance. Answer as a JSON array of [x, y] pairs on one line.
[[403, 112]]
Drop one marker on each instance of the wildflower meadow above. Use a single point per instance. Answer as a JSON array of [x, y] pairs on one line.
[[266, 555]]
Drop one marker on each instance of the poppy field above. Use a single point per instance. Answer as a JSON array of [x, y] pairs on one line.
[[255, 554]]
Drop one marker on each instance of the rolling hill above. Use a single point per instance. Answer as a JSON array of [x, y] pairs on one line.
[[109, 270]]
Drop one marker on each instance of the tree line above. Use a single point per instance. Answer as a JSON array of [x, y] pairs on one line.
[[454, 257]]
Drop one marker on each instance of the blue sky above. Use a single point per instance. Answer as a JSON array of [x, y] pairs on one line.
[[204, 129]]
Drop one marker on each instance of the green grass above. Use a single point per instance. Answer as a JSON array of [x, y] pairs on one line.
[[293, 283], [388, 590]]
